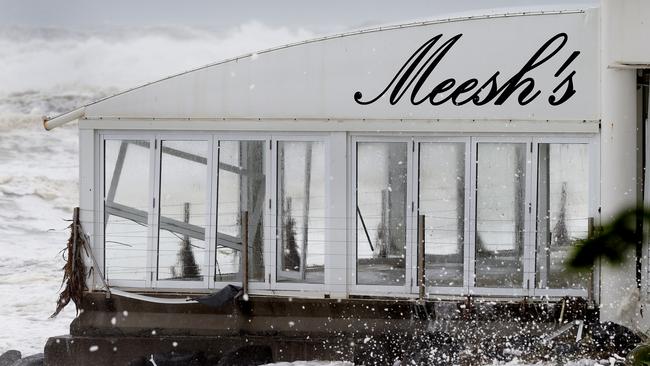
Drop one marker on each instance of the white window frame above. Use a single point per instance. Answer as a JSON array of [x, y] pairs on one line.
[[238, 136], [592, 143], [526, 279], [210, 238], [336, 275], [404, 290], [273, 222], [439, 290], [100, 246]]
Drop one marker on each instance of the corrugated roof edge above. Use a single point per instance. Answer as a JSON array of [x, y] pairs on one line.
[[47, 120]]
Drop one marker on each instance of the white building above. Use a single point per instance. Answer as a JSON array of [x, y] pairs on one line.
[[508, 132]]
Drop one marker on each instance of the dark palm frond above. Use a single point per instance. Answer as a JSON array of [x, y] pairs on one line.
[[74, 270], [611, 242]]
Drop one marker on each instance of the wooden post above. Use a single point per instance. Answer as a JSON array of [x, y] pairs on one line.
[[590, 281], [75, 236], [244, 251], [384, 238], [421, 273]]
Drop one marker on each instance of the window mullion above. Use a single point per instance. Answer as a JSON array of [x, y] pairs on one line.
[[471, 222], [531, 212], [411, 280], [154, 212], [271, 249], [414, 213], [211, 208]]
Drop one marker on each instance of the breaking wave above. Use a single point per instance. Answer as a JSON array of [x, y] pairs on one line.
[[51, 70]]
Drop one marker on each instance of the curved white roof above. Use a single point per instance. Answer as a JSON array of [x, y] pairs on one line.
[[318, 78]]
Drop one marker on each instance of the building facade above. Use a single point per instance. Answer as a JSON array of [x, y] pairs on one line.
[[512, 135]]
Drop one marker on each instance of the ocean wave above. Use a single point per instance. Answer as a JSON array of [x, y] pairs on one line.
[[33, 104], [46, 188], [49, 71]]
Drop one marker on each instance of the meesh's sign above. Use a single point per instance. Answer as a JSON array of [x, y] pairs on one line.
[[497, 89]]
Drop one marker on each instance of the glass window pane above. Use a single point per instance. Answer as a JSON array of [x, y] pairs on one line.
[[181, 237], [381, 212], [127, 200], [442, 202], [242, 187], [500, 214], [301, 212], [563, 210]]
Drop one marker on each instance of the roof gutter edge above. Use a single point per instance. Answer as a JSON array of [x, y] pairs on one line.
[[52, 123]]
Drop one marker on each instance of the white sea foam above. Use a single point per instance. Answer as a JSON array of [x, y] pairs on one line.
[[51, 70]]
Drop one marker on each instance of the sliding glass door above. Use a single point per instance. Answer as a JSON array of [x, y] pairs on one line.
[[501, 213], [182, 250], [127, 210], [241, 187], [501, 216], [300, 223], [564, 192], [442, 185], [381, 214]]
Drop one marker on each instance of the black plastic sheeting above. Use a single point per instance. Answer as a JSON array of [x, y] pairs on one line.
[[224, 296]]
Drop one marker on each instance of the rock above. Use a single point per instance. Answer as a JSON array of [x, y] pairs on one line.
[[171, 359], [437, 348], [33, 360], [177, 359], [562, 351], [140, 361], [247, 356], [613, 338], [382, 349], [506, 348], [9, 358]]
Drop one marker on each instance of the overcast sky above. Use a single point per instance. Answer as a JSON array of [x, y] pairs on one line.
[[318, 16]]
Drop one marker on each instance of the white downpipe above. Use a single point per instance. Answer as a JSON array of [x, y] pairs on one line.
[[157, 300], [618, 163], [55, 122]]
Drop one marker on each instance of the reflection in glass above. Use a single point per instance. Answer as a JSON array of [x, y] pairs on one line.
[[242, 187], [126, 209], [441, 200], [301, 212], [500, 214], [381, 212], [181, 236], [563, 210]]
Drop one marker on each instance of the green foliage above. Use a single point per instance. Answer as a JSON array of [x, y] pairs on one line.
[[611, 242], [640, 356]]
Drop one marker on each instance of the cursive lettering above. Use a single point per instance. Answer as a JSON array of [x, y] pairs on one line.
[[417, 69]]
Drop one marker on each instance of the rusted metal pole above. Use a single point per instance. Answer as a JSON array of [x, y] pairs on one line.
[[244, 251], [590, 281], [421, 273]]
